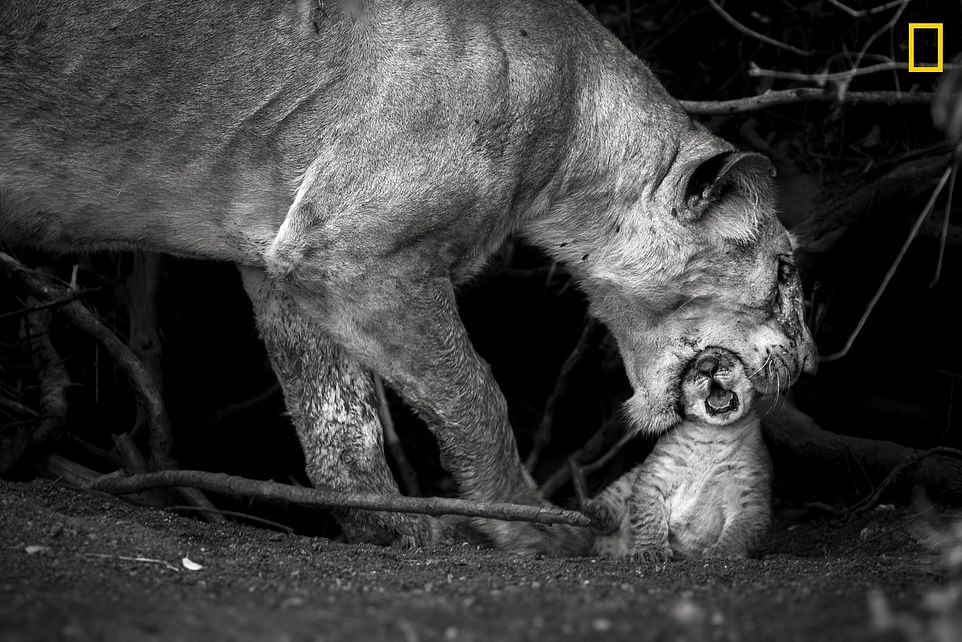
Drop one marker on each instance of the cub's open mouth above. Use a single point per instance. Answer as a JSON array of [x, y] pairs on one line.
[[720, 400]]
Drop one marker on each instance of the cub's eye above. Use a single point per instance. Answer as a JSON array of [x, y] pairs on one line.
[[786, 269]]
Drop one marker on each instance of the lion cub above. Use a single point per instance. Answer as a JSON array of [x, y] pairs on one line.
[[705, 489]]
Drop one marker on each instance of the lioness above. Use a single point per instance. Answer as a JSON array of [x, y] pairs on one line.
[[705, 490], [358, 160]]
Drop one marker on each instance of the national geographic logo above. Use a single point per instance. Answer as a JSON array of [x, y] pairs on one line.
[[925, 41]]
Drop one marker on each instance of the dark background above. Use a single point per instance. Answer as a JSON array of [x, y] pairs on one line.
[[899, 382]]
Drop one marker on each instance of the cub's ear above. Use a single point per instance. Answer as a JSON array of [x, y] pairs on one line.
[[709, 179]]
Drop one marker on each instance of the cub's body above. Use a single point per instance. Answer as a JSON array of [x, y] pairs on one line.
[[700, 493], [705, 489]]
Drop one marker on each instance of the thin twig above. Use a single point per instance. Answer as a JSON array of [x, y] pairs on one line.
[[870, 502], [823, 77], [578, 481], [945, 227], [803, 94], [257, 489], [409, 478], [542, 435], [856, 13], [754, 34], [17, 407], [861, 54], [892, 269], [236, 514], [602, 461], [597, 444], [48, 304], [243, 406]]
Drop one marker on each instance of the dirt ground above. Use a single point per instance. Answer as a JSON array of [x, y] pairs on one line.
[[80, 566]]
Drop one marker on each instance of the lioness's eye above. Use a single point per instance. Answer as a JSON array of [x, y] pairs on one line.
[[786, 269]]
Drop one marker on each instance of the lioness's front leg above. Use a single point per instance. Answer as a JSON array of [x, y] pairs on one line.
[[408, 330], [331, 401]]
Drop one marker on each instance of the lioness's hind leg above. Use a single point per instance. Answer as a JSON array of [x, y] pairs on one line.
[[332, 404]]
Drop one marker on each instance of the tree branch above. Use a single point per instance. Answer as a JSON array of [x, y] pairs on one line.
[[754, 34], [257, 489], [148, 395], [803, 94], [542, 435]]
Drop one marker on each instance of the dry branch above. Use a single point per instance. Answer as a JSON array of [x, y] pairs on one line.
[[257, 489], [823, 77], [409, 478], [248, 404], [873, 499], [892, 269], [831, 221], [600, 444], [78, 315], [542, 435], [41, 286], [235, 514], [53, 376], [54, 382], [62, 469], [143, 337], [794, 434], [804, 94], [861, 13], [754, 34]]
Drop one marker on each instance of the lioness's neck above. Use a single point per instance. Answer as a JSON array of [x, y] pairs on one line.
[[628, 144]]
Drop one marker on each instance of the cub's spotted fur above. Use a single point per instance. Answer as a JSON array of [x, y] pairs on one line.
[[705, 490]]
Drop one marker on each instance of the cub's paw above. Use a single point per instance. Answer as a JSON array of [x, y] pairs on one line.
[[604, 518], [655, 555]]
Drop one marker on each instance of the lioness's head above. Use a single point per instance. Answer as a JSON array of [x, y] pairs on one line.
[[693, 256]]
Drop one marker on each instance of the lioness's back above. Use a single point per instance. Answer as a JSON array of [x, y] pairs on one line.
[[187, 126]]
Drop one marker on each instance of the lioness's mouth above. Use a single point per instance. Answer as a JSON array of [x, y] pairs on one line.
[[720, 400]]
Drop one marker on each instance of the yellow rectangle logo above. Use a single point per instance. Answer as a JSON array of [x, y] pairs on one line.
[[913, 67]]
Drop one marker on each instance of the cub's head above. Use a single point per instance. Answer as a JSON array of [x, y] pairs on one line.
[[696, 258], [716, 390]]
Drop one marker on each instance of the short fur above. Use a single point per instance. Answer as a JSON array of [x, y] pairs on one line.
[[361, 159], [705, 489]]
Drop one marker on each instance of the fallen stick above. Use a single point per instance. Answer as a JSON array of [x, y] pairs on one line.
[[257, 489]]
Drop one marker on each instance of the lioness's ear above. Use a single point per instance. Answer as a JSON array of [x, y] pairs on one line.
[[708, 181]]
